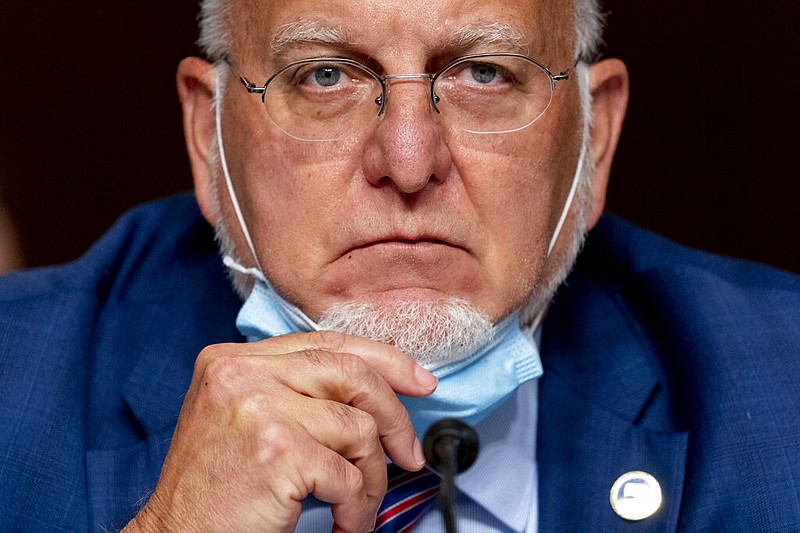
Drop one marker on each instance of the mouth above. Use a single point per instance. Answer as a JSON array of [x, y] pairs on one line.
[[403, 244], [410, 265]]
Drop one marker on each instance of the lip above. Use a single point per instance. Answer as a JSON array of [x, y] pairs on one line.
[[402, 242]]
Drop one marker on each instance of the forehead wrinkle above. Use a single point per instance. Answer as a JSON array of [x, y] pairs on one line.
[[305, 31]]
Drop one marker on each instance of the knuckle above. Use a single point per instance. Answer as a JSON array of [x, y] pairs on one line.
[[364, 426], [330, 340], [351, 477], [354, 368], [275, 440], [340, 414], [351, 368], [253, 407], [362, 382], [207, 355], [222, 373], [400, 423], [355, 480], [316, 357], [359, 425]]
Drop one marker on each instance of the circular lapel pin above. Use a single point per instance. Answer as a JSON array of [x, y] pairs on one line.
[[636, 496]]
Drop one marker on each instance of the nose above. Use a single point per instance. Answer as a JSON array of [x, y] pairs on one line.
[[407, 148]]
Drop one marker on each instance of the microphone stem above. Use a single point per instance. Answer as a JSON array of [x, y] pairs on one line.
[[447, 449], [450, 446]]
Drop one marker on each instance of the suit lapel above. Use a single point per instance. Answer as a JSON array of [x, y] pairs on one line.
[[603, 411]]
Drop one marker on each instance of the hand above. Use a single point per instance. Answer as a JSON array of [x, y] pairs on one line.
[[265, 424]]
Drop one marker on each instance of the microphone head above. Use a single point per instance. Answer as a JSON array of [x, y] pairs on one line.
[[459, 434]]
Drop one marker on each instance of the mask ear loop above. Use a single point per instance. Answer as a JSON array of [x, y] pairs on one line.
[[293, 312], [534, 327], [224, 164], [570, 198]]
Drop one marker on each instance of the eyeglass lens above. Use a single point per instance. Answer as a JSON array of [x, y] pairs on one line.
[[326, 100]]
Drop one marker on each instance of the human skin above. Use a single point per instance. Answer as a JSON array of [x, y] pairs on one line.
[[408, 209]]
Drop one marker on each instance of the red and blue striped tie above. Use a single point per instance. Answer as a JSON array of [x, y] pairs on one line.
[[408, 496]]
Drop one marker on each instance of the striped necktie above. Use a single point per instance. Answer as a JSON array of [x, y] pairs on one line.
[[408, 496]]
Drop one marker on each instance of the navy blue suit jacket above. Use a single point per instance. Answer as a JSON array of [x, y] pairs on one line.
[[657, 358]]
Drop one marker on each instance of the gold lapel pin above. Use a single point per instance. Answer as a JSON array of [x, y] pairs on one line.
[[636, 496]]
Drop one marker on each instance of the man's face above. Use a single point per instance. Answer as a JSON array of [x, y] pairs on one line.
[[407, 207]]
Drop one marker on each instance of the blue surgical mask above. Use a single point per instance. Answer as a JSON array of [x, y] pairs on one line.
[[472, 387], [468, 388]]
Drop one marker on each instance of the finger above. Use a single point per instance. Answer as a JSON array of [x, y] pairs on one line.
[[348, 431], [340, 483], [348, 379], [397, 369], [402, 374], [293, 469]]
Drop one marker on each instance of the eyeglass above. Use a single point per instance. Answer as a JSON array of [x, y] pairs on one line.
[[329, 98]]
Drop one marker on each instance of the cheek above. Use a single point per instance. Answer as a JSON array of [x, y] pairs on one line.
[[291, 180], [514, 188], [291, 195], [511, 188]]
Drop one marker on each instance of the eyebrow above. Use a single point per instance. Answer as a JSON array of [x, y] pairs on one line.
[[304, 32], [497, 36]]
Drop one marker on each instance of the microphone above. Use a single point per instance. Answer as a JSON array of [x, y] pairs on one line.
[[450, 446]]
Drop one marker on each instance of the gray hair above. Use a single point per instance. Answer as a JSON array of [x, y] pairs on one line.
[[589, 22], [215, 29]]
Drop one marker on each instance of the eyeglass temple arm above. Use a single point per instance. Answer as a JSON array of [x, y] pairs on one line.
[[251, 87], [565, 75]]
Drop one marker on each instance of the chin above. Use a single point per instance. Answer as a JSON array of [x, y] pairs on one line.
[[430, 327]]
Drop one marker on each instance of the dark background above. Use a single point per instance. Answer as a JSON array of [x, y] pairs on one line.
[[90, 124]]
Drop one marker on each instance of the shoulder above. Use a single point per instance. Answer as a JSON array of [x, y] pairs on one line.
[[711, 327], [618, 249], [141, 237], [152, 283], [705, 307], [158, 257], [136, 258]]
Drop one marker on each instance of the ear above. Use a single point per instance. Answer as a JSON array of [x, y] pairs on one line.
[[196, 82], [608, 81]]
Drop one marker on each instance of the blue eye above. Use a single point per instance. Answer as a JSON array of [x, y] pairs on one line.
[[327, 76], [483, 72]]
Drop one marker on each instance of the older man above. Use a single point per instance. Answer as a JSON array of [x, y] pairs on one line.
[[417, 178]]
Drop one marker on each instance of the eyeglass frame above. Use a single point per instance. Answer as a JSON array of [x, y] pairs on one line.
[[382, 100]]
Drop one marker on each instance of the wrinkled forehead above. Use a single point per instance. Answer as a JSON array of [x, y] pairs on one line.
[[541, 28]]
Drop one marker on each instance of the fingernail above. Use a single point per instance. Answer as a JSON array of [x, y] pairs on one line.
[[426, 379], [374, 522], [419, 455]]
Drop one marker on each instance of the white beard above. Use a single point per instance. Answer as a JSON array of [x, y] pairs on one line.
[[433, 333]]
